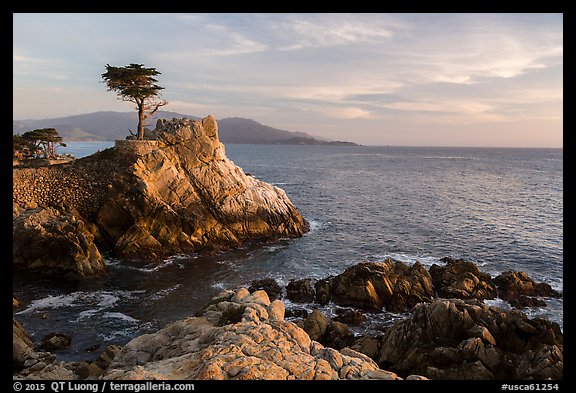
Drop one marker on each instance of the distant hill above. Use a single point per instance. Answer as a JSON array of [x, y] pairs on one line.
[[115, 125]]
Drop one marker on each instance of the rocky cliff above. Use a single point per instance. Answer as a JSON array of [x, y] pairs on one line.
[[176, 192], [185, 195]]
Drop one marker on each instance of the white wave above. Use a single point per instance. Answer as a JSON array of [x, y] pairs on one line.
[[230, 264], [127, 332], [218, 285], [151, 267], [503, 304], [97, 301], [178, 257], [163, 292], [271, 249], [119, 315], [87, 314], [315, 225], [410, 259], [107, 300], [52, 302]]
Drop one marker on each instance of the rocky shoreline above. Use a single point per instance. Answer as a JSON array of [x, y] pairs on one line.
[[178, 193], [247, 333], [174, 193]]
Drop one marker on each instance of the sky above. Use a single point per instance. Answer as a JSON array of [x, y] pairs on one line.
[[492, 80]]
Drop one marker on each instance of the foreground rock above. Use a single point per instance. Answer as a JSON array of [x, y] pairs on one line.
[[22, 345], [455, 339], [327, 332], [173, 193], [398, 287], [390, 284], [462, 280], [53, 240], [369, 286], [241, 335], [268, 285], [521, 291], [55, 341]]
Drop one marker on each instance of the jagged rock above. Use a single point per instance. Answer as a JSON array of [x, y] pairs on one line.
[[276, 310], [53, 372], [329, 333], [296, 313], [58, 241], [373, 285], [300, 291], [323, 289], [33, 365], [184, 195], [349, 317], [462, 280], [176, 193], [316, 324], [338, 336], [368, 345], [107, 356], [254, 348], [55, 341], [22, 345], [521, 291], [269, 285], [457, 339]]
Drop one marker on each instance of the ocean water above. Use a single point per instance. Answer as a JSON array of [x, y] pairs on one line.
[[81, 149], [500, 208]]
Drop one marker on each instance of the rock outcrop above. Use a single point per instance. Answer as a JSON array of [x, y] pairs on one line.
[[241, 335], [22, 345], [457, 339], [52, 240], [268, 285], [462, 280], [390, 284], [185, 196], [174, 193], [522, 291], [300, 291]]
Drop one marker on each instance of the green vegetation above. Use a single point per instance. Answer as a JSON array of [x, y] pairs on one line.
[[136, 83], [36, 144]]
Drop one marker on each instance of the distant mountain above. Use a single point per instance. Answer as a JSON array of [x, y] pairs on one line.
[[115, 125]]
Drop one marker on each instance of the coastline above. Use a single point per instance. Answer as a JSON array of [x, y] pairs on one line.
[[311, 289], [336, 332]]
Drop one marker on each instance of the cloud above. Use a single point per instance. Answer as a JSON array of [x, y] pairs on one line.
[[405, 70], [459, 106], [348, 113], [25, 59], [238, 45], [188, 108], [332, 31]]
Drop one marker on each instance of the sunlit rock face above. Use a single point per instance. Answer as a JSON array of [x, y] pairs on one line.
[[182, 194], [174, 193]]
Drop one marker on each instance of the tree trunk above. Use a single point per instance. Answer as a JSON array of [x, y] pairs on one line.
[[140, 135]]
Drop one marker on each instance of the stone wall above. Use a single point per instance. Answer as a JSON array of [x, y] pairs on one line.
[[133, 146]]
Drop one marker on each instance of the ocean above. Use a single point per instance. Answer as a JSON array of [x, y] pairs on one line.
[[501, 208]]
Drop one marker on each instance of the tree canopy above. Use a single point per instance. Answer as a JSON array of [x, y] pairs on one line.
[[136, 83], [36, 143]]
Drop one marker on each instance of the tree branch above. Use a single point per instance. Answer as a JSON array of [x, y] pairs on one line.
[[157, 106]]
